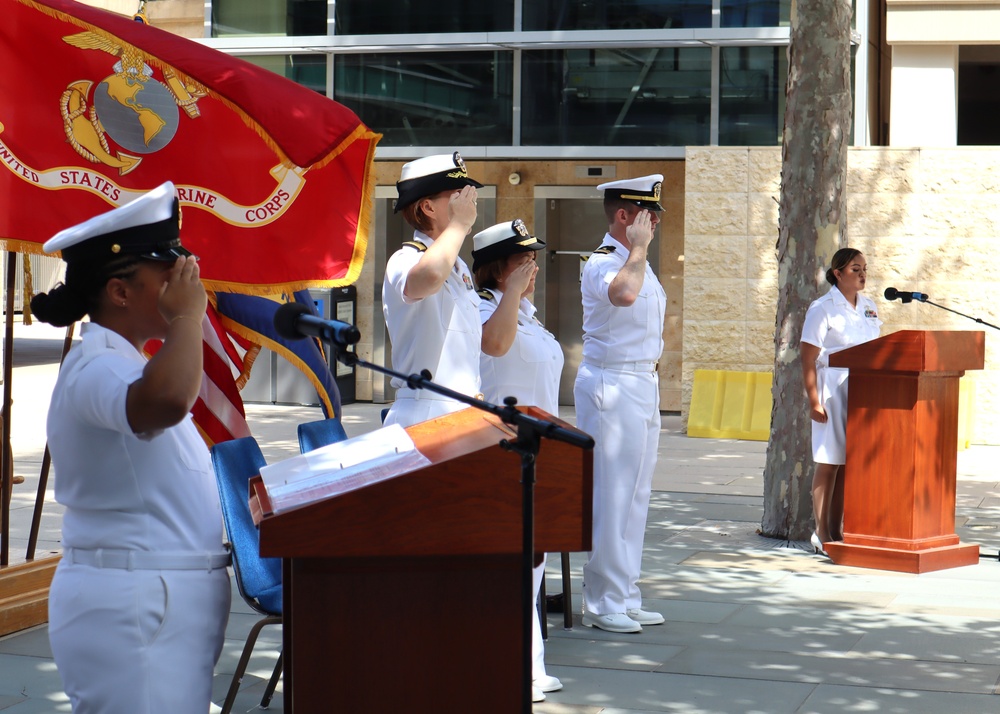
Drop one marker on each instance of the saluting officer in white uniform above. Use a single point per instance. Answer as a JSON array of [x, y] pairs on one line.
[[520, 359], [618, 400], [139, 603], [840, 319], [429, 300]]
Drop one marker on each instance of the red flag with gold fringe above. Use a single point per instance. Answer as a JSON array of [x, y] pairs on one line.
[[275, 180]]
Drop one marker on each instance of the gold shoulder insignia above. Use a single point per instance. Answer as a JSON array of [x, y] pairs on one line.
[[605, 249], [485, 294], [415, 244]]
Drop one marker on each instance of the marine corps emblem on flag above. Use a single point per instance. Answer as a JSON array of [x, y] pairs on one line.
[[138, 112]]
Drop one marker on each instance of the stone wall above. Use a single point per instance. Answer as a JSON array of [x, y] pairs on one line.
[[927, 220]]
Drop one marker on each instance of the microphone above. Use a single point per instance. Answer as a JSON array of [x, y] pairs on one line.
[[294, 321], [892, 294]]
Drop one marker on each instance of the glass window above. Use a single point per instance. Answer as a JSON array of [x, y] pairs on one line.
[[616, 14], [640, 97], [752, 95], [756, 13], [391, 17], [307, 70], [430, 99], [268, 18]]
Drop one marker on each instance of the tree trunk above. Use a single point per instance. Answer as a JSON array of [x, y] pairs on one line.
[[812, 226]]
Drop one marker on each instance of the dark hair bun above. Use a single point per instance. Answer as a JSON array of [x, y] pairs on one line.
[[60, 306], [830, 277]]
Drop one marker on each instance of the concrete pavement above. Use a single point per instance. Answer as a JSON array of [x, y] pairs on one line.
[[753, 624]]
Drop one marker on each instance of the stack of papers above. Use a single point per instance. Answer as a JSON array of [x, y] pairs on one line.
[[341, 467]]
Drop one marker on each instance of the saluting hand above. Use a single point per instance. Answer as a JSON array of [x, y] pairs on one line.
[[640, 233], [462, 207], [520, 278], [183, 293]]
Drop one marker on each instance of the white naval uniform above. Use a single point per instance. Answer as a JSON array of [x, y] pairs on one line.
[[833, 324], [441, 333], [530, 371], [141, 640], [618, 403]]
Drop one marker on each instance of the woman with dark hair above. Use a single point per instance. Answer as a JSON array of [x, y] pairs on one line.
[[840, 319], [140, 599], [520, 358]]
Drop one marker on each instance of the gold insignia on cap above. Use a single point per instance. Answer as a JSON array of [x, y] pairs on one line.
[[520, 229], [656, 190], [528, 241], [116, 248], [460, 164]]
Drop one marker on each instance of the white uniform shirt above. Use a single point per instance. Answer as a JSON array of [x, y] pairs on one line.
[[532, 366], [833, 324], [613, 335], [121, 490], [441, 332]]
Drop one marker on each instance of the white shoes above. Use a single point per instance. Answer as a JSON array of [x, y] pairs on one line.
[[618, 622], [817, 544], [645, 617], [537, 695], [547, 683]]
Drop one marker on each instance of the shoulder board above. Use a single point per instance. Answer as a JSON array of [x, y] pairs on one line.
[[485, 294], [606, 249], [415, 244]]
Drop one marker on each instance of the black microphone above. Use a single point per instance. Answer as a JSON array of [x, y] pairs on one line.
[[294, 321], [892, 294]]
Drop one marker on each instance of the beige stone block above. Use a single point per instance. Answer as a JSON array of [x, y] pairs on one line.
[[960, 215], [670, 369], [762, 257], [762, 299], [714, 341], [760, 347], [716, 170], [881, 170], [673, 333], [884, 214], [674, 288], [762, 215], [960, 171], [715, 214], [715, 256], [764, 171], [670, 400], [714, 299]]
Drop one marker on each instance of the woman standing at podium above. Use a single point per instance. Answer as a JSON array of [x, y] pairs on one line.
[[520, 358], [840, 319]]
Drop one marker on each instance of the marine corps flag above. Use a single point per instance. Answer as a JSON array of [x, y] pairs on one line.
[[274, 179]]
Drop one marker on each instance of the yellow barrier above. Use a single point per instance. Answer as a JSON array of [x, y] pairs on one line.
[[737, 405], [730, 405]]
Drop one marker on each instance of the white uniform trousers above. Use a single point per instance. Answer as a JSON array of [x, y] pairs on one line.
[[621, 410], [537, 646], [407, 411], [137, 642]]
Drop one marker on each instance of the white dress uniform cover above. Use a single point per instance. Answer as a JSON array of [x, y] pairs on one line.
[[832, 324], [618, 403], [442, 332], [139, 602]]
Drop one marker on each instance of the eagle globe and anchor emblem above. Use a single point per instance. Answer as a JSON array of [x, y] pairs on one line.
[[137, 112]]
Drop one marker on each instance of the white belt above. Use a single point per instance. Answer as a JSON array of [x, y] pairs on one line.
[[146, 560], [624, 366], [423, 394]]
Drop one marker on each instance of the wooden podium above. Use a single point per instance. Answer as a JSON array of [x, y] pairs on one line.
[[405, 595], [902, 445]]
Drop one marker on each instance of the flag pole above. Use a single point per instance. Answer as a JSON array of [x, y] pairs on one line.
[[6, 457]]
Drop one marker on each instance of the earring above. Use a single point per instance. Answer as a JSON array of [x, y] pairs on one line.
[[123, 303]]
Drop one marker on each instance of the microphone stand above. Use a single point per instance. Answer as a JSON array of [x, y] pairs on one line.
[[975, 319], [530, 431]]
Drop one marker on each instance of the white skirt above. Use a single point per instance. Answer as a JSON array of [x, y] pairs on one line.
[[829, 440]]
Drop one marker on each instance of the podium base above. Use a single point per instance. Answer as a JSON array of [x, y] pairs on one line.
[[904, 561]]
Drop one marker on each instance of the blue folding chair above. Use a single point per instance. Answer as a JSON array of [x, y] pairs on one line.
[[258, 579], [314, 434]]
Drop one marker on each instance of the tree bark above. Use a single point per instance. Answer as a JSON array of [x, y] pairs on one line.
[[812, 226]]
